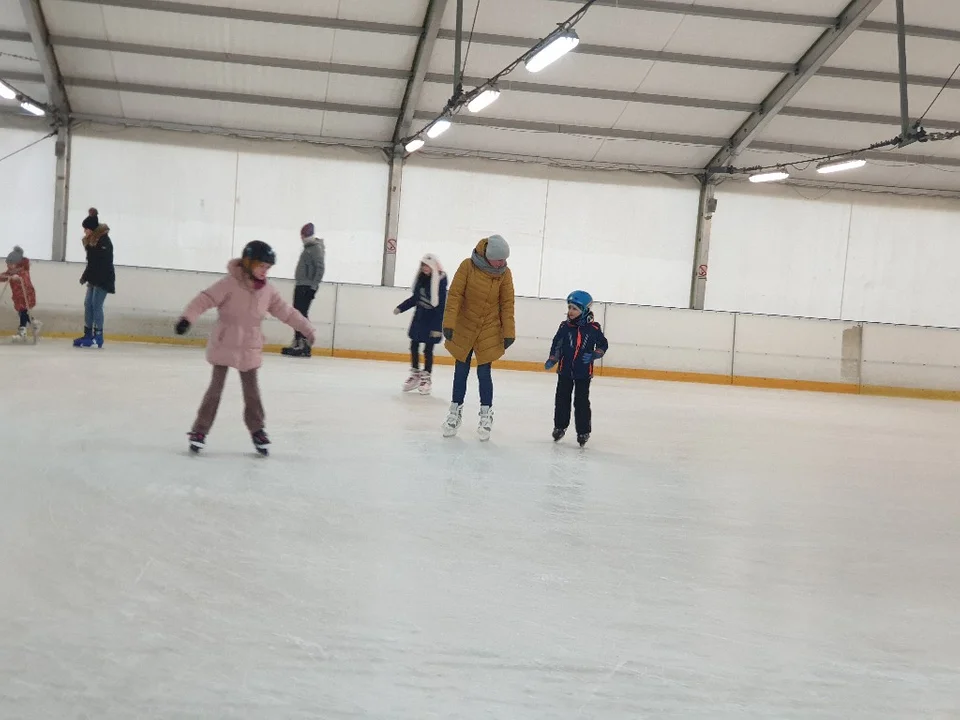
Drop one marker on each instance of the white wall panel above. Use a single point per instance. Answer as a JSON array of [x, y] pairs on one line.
[[665, 339], [777, 255], [622, 243], [796, 349], [167, 206], [911, 357], [537, 323], [27, 186], [365, 319], [446, 212], [904, 265], [346, 201]]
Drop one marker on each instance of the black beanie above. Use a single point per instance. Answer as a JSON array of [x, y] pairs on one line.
[[92, 220]]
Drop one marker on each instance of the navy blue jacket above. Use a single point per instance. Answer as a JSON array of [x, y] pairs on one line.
[[576, 345], [427, 324]]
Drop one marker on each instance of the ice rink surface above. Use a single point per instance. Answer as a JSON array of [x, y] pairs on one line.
[[715, 552]]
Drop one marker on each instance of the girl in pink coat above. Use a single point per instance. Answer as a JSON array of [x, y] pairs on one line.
[[243, 299]]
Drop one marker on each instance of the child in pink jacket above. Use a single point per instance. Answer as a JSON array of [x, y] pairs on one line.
[[243, 299]]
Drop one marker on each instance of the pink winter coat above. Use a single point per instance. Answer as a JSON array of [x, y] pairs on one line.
[[237, 340]]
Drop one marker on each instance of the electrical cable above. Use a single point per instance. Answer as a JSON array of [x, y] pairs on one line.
[[27, 147], [947, 82], [466, 55]]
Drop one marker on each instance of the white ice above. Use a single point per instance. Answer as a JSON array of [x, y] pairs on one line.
[[714, 553]]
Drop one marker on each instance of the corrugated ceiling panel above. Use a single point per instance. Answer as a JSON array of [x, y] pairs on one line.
[[932, 13], [387, 51], [687, 121], [407, 12], [748, 40], [878, 51], [363, 127], [643, 152], [95, 102], [536, 18], [11, 16], [247, 117], [875, 97], [541, 108], [8, 62], [709, 82], [380, 92], [821, 8], [519, 142], [847, 135]]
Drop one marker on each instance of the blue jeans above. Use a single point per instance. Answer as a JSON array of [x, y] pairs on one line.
[[93, 308], [460, 374]]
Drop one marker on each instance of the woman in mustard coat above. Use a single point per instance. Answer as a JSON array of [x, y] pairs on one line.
[[478, 320]]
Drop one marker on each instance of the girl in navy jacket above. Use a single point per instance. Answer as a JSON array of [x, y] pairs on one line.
[[578, 342], [429, 297]]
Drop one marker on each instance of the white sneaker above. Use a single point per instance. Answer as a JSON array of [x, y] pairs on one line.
[[412, 382], [426, 384], [454, 418], [486, 423]]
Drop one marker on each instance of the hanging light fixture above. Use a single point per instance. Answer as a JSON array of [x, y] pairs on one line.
[[33, 109], [438, 127], [840, 165], [414, 145], [774, 176], [7, 92], [553, 49], [485, 99]]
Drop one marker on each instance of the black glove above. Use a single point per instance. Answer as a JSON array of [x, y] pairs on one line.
[[182, 326], [83, 279], [448, 333], [507, 342]]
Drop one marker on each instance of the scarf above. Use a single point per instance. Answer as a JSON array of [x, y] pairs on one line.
[[483, 264]]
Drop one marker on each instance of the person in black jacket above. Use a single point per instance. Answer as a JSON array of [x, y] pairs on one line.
[[429, 296], [578, 342], [99, 276]]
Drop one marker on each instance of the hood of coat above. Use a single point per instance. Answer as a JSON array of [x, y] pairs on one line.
[[436, 275], [313, 241], [94, 237]]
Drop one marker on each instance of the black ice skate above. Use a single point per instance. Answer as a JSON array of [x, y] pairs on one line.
[[197, 442], [582, 439], [558, 434], [261, 442]]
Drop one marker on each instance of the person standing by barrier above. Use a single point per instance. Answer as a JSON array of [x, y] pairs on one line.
[[479, 319], [309, 274], [99, 276]]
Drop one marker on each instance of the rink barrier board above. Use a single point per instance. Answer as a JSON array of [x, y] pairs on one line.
[[627, 373]]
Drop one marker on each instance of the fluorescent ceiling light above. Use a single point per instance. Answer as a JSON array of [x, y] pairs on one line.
[[484, 99], [438, 128], [414, 145], [556, 48], [7, 92], [769, 176], [841, 165], [32, 109]]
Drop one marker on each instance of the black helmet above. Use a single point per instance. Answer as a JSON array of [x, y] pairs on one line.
[[259, 251]]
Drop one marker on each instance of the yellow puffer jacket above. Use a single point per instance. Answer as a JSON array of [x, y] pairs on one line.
[[479, 311]]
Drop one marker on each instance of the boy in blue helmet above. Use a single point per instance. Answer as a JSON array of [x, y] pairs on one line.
[[578, 342]]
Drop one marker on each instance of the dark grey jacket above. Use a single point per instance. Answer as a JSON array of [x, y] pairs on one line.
[[312, 264]]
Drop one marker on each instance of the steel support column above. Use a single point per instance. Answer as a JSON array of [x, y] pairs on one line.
[[701, 250], [389, 272], [61, 197]]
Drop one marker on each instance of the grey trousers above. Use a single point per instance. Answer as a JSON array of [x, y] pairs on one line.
[[253, 415]]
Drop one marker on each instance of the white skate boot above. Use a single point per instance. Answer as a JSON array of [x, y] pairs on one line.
[[486, 423], [35, 327], [21, 335], [426, 383], [454, 418], [412, 382]]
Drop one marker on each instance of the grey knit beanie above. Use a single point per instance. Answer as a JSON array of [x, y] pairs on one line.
[[16, 256], [497, 248]]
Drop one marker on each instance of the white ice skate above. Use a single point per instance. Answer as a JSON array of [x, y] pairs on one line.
[[20, 337], [413, 381], [426, 384], [486, 423], [454, 418], [35, 327]]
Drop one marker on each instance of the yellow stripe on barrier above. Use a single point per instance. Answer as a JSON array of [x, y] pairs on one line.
[[630, 373]]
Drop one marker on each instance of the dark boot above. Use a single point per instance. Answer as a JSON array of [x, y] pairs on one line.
[[86, 340]]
